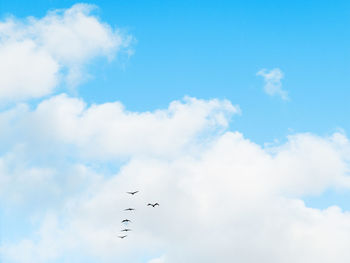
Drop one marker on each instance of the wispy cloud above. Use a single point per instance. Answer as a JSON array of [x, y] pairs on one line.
[[273, 84]]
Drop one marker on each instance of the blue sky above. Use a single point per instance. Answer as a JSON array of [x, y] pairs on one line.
[[65, 144], [213, 50]]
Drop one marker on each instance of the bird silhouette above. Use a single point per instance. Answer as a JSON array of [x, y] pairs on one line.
[[153, 205], [122, 236], [129, 209], [132, 193], [126, 221], [126, 230]]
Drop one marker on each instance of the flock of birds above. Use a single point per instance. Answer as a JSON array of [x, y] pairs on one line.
[[127, 221]]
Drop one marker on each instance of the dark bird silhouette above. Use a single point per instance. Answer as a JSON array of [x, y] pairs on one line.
[[129, 209], [126, 221], [132, 193], [153, 205], [122, 236], [126, 230]]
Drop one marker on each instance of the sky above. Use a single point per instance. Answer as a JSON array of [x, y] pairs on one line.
[[233, 115]]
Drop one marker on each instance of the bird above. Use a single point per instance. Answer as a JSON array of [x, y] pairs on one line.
[[153, 205], [122, 236], [126, 221], [132, 193], [126, 230], [129, 209]]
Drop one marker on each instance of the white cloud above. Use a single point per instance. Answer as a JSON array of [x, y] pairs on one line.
[[36, 53], [108, 130], [273, 85], [157, 260], [26, 71], [222, 197], [37, 186]]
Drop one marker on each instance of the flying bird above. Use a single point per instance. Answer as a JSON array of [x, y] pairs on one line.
[[129, 209], [153, 205], [126, 221], [122, 236], [126, 230], [132, 193]]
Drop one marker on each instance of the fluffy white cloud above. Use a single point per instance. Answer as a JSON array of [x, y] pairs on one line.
[[222, 197], [36, 54], [37, 186], [26, 71], [273, 85], [108, 130], [66, 166]]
